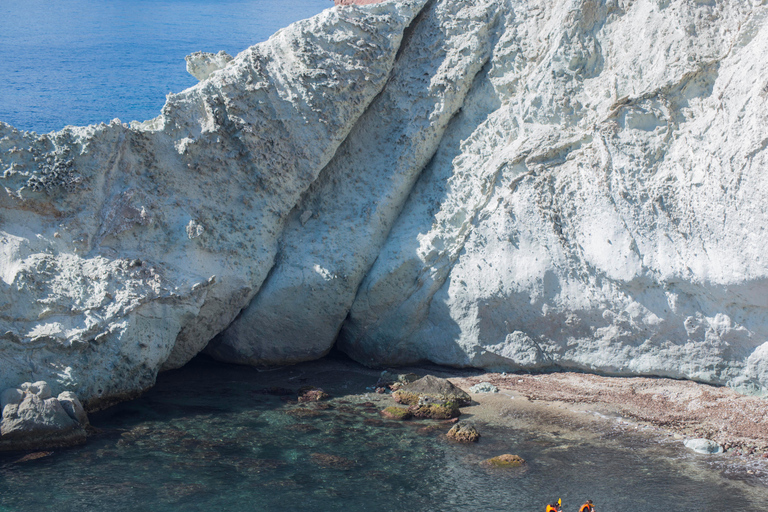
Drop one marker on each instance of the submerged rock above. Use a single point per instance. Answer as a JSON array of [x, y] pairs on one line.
[[396, 413], [504, 461]]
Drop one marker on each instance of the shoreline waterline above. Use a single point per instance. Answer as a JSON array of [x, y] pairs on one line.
[[210, 434]]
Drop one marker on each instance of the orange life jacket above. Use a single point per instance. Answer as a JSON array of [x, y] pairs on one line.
[[586, 508], [552, 508]]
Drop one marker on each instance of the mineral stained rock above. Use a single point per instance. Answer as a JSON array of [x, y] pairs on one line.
[[495, 184]]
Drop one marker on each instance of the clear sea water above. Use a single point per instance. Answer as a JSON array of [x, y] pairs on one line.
[[78, 62], [208, 438]]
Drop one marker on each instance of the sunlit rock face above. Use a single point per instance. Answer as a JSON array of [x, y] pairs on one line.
[[498, 184], [126, 248], [598, 203]]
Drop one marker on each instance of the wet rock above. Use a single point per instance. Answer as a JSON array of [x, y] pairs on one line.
[[442, 411], [704, 446], [36, 422], [396, 413], [312, 394], [463, 433], [432, 387], [484, 387], [504, 461], [328, 461], [33, 456], [304, 413]]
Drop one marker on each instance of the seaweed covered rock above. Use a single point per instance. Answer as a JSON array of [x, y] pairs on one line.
[[430, 408], [463, 433], [32, 419], [429, 386], [397, 413], [504, 461]]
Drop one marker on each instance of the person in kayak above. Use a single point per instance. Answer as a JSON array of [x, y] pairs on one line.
[[587, 507], [555, 508]]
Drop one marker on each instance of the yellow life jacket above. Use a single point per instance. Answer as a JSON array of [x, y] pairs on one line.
[[551, 508]]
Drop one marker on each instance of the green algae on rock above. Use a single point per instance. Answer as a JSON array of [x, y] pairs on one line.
[[397, 413], [504, 461]]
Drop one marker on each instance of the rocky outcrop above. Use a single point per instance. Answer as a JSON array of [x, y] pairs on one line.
[[595, 204], [432, 388], [126, 248], [493, 184], [32, 419], [202, 64]]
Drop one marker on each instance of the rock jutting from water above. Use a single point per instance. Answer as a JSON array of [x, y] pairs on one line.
[[493, 184], [32, 419]]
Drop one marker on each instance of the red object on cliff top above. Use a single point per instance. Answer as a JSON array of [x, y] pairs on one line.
[[356, 2]]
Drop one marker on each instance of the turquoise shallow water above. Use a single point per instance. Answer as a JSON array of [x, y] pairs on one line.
[[208, 438], [78, 62]]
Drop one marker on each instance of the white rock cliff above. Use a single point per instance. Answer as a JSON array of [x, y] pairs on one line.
[[500, 184]]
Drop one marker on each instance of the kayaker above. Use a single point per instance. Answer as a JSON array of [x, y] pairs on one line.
[[555, 508], [587, 507]]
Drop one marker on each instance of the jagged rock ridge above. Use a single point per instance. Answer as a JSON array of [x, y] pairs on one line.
[[499, 184]]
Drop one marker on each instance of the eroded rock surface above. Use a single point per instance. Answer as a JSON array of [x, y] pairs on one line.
[[124, 249], [494, 184], [32, 419], [201, 64]]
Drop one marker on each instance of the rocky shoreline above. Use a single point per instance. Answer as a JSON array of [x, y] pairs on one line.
[[663, 408]]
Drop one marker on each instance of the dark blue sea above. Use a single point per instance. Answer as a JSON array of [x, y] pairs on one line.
[[78, 62]]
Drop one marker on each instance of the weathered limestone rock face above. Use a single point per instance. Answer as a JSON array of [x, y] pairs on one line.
[[597, 203], [202, 64], [127, 248], [500, 184], [337, 230]]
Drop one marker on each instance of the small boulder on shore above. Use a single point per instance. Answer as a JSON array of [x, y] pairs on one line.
[[32, 419], [431, 387], [704, 446]]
